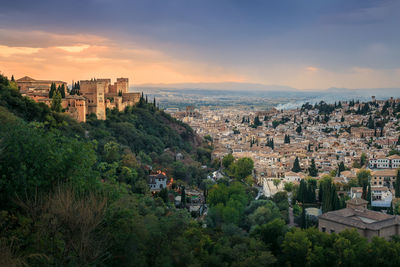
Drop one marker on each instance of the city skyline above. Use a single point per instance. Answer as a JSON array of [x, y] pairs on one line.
[[313, 45]]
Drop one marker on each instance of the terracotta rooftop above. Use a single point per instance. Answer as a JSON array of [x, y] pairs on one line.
[[361, 219]]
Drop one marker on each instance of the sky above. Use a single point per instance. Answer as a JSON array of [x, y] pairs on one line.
[[305, 44]]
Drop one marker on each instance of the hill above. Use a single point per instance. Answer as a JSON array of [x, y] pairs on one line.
[[75, 194]]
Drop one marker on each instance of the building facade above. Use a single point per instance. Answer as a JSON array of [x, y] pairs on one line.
[[96, 95], [367, 222]]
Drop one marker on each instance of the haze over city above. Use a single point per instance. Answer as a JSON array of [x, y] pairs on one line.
[[299, 44]]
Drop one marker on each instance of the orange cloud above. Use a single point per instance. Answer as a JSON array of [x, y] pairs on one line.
[[74, 48], [53, 57], [312, 69], [6, 51]]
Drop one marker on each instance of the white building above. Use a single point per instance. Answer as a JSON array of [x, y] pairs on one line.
[[391, 162], [157, 182]]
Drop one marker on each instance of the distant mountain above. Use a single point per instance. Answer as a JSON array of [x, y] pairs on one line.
[[232, 86], [276, 89]]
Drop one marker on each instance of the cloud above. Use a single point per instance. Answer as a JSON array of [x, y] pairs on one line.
[[50, 58], [73, 49], [312, 69], [7, 51], [35, 38]]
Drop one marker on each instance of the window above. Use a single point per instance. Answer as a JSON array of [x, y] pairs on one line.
[[332, 231], [323, 229]]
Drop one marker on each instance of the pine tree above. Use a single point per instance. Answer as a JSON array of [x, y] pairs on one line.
[[303, 218], [53, 89], [311, 187], [302, 193], [61, 89], [397, 185], [363, 159], [141, 101], [56, 102], [312, 170], [370, 123], [369, 195], [12, 78], [296, 165], [390, 210], [298, 129], [183, 197], [341, 168], [257, 121]]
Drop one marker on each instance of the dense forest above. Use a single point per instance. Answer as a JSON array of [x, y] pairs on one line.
[[75, 194]]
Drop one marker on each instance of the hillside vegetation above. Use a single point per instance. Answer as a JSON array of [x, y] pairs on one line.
[[75, 194]]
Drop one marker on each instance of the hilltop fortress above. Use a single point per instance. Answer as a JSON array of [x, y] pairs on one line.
[[94, 96]]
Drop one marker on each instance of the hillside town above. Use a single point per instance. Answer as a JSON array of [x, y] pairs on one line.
[[312, 141]]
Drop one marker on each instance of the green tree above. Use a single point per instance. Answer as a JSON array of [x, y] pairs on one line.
[[363, 159], [298, 129], [363, 177], [56, 102], [288, 187], [328, 195], [243, 167], [183, 197], [302, 191], [370, 123], [276, 182], [397, 184], [296, 165], [257, 121], [287, 139], [341, 168], [112, 152], [296, 248], [227, 160], [369, 194], [53, 90], [312, 170]]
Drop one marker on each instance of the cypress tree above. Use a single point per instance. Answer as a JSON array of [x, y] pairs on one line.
[[369, 195], [390, 210], [397, 185], [183, 197], [52, 90], [56, 102], [302, 193], [296, 165], [341, 167], [370, 123], [62, 90], [298, 129], [313, 169], [303, 218]]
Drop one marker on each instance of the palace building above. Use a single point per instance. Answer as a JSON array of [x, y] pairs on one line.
[[95, 96]]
